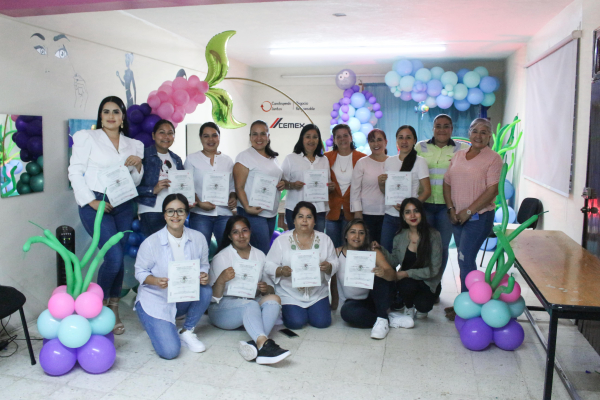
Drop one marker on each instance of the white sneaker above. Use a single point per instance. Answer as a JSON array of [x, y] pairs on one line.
[[380, 329], [401, 321], [410, 312], [191, 341], [421, 315]]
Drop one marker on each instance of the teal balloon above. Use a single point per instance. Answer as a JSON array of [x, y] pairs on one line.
[[23, 188], [449, 78], [213, 248], [402, 67], [359, 139], [392, 79], [423, 75], [460, 91], [354, 124], [366, 128], [482, 71], [465, 307], [452, 244], [471, 79], [48, 325], [488, 99], [24, 177], [495, 313], [40, 161], [104, 322], [516, 308], [37, 183], [74, 331], [437, 72], [351, 111], [33, 168], [363, 114], [406, 83]]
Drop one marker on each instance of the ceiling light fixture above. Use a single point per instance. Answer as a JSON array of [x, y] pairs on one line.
[[347, 51]]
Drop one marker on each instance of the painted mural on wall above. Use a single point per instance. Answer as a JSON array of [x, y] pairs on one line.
[[128, 80]]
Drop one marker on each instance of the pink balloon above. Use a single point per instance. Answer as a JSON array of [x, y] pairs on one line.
[[200, 98], [14, 117], [180, 83], [190, 107], [180, 97], [504, 278], [88, 305], [177, 117], [153, 93], [192, 91], [61, 305], [96, 289], [167, 89], [193, 80], [480, 292], [474, 276], [175, 124], [59, 289], [203, 86], [165, 110], [513, 296], [163, 96], [168, 83], [153, 101]]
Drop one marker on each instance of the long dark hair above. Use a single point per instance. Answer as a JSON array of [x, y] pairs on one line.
[[424, 247], [337, 128], [119, 103], [299, 147], [225, 240], [357, 221], [270, 152], [162, 122], [409, 160], [176, 196]]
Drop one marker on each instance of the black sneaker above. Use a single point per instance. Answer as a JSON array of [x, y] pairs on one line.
[[271, 353], [248, 350]]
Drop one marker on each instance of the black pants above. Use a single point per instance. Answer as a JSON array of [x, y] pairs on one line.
[[416, 293], [364, 313], [374, 224]]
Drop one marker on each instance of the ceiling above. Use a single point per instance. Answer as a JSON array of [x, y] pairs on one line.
[[471, 29]]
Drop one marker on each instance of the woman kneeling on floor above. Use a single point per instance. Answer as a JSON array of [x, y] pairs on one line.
[[362, 307], [418, 250], [256, 313]]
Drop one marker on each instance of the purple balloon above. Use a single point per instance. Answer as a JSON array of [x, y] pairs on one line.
[[434, 87], [145, 138], [25, 155], [406, 96], [372, 99], [355, 88], [462, 105], [418, 96], [378, 114], [134, 130], [336, 106], [367, 94], [329, 142], [110, 336], [34, 128], [274, 236], [57, 359], [334, 114], [510, 336], [20, 139], [70, 141], [444, 102], [35, 145], [348, 93], [149, 122], [146, 109], [135, 116], [345, 108], [459, 322], [345, 117], [461, 73], [341, 101], [97, 355], [346, 101], [334, 121], [21, 123], [376, 107], [475, 334], [475, 96]]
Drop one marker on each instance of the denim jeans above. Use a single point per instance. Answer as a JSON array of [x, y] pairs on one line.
[[233, 312], [415, 293], [374, 224], [390, 227], [364, 313], [319, 223], [208, 224], [152, 222], [163, 334], [335, 230], [317, 315], [437, 217], [110, 274], [469, 237], [262, 230]]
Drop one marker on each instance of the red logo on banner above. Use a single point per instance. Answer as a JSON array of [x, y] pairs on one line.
[[268, 106]]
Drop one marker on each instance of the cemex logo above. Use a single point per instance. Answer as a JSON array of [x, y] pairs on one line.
[[284, 125]]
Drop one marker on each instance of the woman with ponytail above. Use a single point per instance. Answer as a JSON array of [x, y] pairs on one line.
[[407, 161]]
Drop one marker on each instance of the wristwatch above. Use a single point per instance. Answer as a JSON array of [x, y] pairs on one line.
[[449, 208], [468, 212]]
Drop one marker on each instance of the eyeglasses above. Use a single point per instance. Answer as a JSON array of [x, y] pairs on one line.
[[180, 211]]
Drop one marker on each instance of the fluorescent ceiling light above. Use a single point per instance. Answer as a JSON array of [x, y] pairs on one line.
[[347, 51]]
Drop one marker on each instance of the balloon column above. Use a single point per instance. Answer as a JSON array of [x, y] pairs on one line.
[[487, 312], [409, 80], [76, 326]]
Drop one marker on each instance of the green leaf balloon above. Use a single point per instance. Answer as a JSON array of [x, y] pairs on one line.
[[216, 58], [222, 109]]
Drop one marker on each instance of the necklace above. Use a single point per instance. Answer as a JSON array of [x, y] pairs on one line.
[[297, 245], [347, 164]]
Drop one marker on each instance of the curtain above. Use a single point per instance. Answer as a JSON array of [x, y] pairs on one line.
[[397, 112]]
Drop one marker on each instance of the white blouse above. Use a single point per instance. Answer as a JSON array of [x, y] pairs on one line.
[[419, 171], [347, 292], [343, 171], [225, 258], [256, 163], [199, 164], [280, 255], [365, 194], [293, 167], [93, 153]]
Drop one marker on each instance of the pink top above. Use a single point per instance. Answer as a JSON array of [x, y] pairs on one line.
[[365, 194], [470, 178]]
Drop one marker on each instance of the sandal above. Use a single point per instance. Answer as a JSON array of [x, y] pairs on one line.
[[119, 328]]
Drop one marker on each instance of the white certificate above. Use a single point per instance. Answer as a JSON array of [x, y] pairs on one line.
[[119, 185], [184, 281], [182, 182], [315, 185], [264, 190], [215, 188], [247, 275], [305, 268], [359, 265], [398, 187]]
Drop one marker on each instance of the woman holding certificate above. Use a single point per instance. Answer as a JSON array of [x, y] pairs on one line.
[[301, 263], [306, 175], [172, 268], [258, 183], [213, 182], [366, 200], [158, 163], [240, 295], [404, 174], [104, 159]]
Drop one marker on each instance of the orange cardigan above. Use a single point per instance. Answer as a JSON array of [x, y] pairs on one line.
[[336, 200]]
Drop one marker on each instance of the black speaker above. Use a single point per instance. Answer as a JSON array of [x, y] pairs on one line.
[[66, 235]]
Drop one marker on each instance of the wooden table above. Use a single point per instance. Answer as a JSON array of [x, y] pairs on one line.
[[565, 278]]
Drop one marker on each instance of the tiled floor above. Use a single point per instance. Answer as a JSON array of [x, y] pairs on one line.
[[427, 362]]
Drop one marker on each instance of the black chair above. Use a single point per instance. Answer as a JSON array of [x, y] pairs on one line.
[[12, 300]]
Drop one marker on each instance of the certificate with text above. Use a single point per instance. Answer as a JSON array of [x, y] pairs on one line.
[[315, 185], [119, 185], [305, 268], [397, 187], [215, 188], [359, 267], [184, 281], [182, 182], [264, 190], [247, 275]]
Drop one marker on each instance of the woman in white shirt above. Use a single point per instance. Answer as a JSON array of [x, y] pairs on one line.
[[94, 153], [407, 161], [307, 156], [301, 305], [207, 217], [173, 243], [256, 313], [366, 200], [259, 160]]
